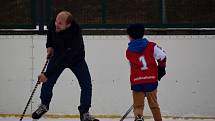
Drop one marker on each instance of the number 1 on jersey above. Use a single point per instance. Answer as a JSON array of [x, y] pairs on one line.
[[143, 61]]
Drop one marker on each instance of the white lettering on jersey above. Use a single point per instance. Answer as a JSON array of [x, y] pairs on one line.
[[145, 77]]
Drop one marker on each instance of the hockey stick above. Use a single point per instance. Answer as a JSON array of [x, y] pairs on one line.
[[35, 87], [127, 112]]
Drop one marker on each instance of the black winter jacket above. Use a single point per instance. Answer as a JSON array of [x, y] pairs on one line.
[[68, 46]]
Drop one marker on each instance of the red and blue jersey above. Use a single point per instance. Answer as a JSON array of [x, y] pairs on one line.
[[143, 65], [142, 55]]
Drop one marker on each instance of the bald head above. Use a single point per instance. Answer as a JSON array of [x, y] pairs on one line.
[[66, 16], [63, 20]]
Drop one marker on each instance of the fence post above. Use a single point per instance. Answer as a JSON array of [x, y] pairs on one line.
[[41, 16], [104, 11], [163, 11]]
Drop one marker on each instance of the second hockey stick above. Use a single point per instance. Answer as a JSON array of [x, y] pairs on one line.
[[126, 113]]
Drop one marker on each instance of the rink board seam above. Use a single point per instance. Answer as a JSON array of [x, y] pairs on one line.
[[107, 116]]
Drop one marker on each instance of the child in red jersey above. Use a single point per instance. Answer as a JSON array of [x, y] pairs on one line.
[[148, 62]]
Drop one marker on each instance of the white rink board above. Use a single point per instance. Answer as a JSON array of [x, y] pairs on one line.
[[186, 90]]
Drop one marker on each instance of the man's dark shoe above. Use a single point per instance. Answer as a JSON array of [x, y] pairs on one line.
[[87, 117], [41, 110]]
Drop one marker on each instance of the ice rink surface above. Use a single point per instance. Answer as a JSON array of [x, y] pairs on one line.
[[101, 119]]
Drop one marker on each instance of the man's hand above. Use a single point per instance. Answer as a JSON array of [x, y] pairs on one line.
[[42, 78], [50, 52]]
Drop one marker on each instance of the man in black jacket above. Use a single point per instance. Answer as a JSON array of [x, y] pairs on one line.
[[65, 48]]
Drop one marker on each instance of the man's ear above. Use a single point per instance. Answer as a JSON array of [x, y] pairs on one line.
[[68, 25]]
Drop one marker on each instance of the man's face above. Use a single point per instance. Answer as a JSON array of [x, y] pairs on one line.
[[60, 23]]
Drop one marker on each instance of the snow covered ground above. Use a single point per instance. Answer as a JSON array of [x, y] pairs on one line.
[[101, 119]]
